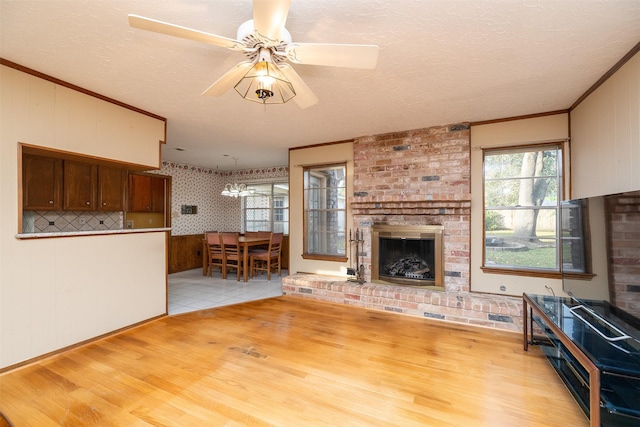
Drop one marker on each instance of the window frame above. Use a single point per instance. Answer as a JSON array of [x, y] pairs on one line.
[[582, 205], [336, 257], [556, 272], [271, 209]]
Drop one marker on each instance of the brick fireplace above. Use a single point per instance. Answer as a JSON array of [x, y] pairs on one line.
[[415, 178]]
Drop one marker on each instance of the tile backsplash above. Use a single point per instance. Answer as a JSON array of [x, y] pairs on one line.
[[70, 221]]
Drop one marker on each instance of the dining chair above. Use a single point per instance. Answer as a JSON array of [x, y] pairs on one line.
[[267, 260], [231, 253], [214, 251]]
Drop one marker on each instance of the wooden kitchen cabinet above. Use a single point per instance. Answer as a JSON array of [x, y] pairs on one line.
[[41, 183], [112, 184], [60, 181], [80, 186], [55, 184], [139, 193], [146, 193], [157, 194]]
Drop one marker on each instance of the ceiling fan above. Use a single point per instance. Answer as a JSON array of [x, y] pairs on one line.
[[266, 77]]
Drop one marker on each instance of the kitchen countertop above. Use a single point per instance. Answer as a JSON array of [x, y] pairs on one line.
[[89, 233]]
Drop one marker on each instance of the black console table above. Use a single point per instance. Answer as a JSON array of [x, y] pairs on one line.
[[595, 349]]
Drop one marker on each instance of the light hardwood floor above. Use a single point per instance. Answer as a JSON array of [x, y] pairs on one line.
[[293, 362]]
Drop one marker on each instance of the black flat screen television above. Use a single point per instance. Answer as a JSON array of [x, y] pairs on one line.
[[600, 249]]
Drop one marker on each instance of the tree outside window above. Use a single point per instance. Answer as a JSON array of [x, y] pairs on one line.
[[522, 195], [325, 211]]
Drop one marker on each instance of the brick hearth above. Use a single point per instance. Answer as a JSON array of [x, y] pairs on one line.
[[461, 307]]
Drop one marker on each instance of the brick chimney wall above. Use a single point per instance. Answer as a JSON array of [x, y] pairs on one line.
[[417, 177], [624, 241]]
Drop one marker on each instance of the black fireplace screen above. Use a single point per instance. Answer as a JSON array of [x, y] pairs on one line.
[[407, 258]]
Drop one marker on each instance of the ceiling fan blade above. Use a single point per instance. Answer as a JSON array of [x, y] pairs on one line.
[[228, 80], [269, 17], [334, 55], [183, 32], [305, 98]]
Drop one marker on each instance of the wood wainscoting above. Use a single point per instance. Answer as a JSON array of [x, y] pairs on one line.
[[185, 252]]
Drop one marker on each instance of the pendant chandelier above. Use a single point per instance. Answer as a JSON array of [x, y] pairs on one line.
[[235, 190]]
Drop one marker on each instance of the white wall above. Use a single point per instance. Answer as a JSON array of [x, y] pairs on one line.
[[515, 132], [55, 292], [298, 158], [605, 136]]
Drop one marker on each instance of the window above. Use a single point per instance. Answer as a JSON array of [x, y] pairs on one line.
[[325, 212], [278, 209], [522, 202], [266, 208], [575, 255]]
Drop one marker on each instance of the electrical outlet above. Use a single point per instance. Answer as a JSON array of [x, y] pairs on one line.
[[150, 220]]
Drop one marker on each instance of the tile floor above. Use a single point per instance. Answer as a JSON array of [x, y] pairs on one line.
[[190, 290]]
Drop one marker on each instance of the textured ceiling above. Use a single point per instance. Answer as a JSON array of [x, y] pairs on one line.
[[440, 62]]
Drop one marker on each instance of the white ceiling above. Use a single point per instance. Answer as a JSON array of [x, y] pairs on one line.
[[440, 62]]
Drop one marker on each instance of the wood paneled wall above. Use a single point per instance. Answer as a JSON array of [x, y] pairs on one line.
[[185, 252]]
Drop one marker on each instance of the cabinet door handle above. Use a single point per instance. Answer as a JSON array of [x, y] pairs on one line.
[[88, 203], [104, 203], [50, 202]]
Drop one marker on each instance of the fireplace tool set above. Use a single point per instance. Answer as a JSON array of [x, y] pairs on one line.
[[357, 273]]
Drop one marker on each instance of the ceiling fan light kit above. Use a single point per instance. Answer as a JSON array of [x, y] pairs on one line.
[[266, 78], [265, 83]]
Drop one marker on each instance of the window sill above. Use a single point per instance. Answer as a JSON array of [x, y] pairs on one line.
[[523, 272]]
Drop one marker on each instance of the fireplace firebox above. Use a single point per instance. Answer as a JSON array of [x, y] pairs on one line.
[[407, 255]]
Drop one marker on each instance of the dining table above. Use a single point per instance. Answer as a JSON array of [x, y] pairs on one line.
[[246, 243]]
